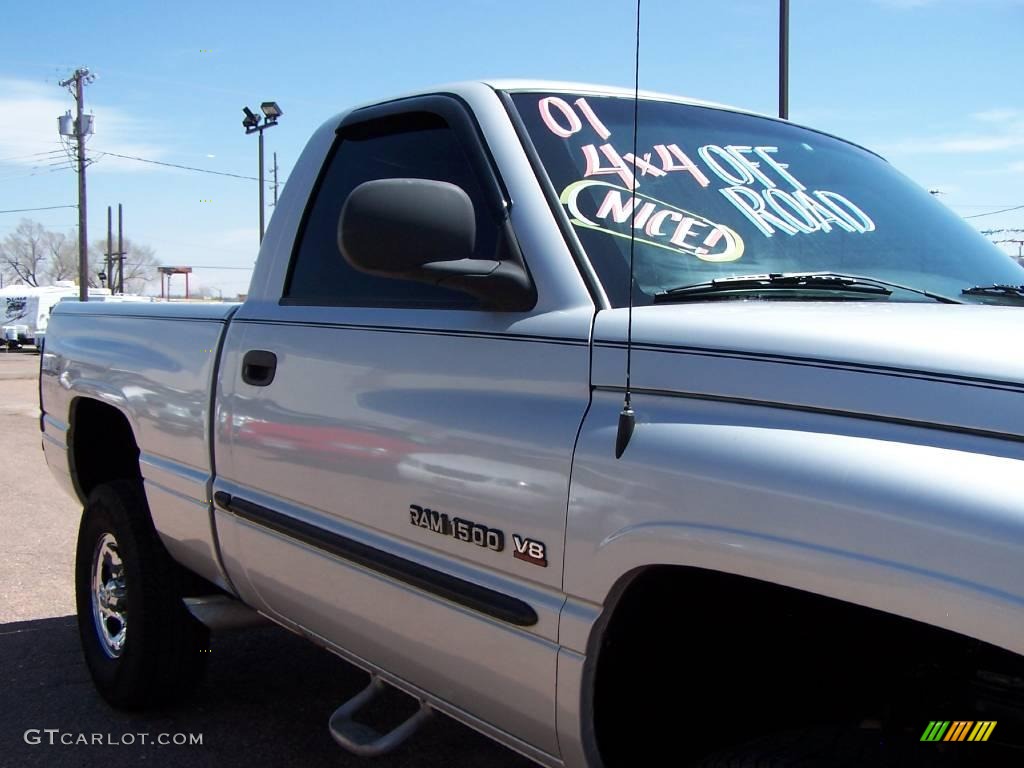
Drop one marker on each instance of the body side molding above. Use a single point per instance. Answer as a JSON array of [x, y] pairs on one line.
[[465, 593]]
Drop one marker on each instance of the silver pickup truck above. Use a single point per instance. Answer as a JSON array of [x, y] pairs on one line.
[[403, 444]]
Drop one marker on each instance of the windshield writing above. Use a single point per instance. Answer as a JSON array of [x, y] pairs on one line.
[[712, 193]]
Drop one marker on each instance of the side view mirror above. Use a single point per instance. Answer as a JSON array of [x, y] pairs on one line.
[[418, 229]]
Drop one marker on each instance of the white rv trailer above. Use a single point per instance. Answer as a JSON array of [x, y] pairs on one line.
[[25, 310]]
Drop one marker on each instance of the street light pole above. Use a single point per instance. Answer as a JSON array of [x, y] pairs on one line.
[[261, 187], [252, 124], [784, 59]]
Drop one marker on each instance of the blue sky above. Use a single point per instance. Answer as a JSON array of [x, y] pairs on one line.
[[934, 85]]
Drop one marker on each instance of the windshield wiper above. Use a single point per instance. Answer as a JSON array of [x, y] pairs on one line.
[[997, 289], [801, 281]]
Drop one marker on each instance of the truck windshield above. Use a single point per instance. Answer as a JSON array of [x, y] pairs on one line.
[[714, 194]]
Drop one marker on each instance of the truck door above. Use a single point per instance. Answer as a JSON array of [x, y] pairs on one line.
[[393, 460]]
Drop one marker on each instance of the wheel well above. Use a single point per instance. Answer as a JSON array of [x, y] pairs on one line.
[[102, 446], [689, 660]]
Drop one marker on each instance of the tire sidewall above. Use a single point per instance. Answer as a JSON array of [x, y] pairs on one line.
[[107, 512]]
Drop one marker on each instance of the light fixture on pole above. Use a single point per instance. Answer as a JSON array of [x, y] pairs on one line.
[[251, 120], [251, 123], [271, 110]]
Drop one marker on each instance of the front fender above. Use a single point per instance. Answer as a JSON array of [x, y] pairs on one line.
[[912, 521]]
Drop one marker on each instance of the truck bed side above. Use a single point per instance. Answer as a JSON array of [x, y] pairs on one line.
[[152, 366]]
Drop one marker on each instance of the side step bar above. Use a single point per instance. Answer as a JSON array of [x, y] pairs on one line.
[[364, 741], [224, 612]]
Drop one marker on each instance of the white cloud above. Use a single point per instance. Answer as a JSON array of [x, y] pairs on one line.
[[968, 144], [906, 3], [998, 115], [1003, 130], [1010, 169], [239, 239], [28, 130]]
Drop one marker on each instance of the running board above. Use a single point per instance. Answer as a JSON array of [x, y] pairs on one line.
[[364, 741]]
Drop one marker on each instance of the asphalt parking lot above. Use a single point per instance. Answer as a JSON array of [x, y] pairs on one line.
[[267, 695]]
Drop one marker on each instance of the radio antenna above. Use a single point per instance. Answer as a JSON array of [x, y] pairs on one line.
[[627, 418]]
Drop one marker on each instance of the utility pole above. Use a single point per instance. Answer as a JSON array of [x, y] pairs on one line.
[[76, 84], [120, 251], [110, 249], [1018, 243], [784, 59], [274, 204]]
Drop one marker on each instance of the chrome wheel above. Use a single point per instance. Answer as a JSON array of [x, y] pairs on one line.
[[109, 599]]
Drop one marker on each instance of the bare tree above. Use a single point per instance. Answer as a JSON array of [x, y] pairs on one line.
[[140, 267], [37, 256], [23, 252], [62, 253], [140, 263]]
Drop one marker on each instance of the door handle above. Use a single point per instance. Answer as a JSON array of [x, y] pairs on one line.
[[259, 367]]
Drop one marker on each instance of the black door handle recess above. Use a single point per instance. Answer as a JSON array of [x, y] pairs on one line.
[[258, 367]]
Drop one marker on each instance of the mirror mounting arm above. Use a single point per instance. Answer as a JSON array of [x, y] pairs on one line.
[[500, 285]]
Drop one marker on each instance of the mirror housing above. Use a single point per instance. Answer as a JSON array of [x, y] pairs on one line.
[[423, 230]]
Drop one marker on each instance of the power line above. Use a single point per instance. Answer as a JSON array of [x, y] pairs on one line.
[[37, 173], [213, 266], [51, 156], [51, 226], [977, 205], [46, 208], [175, 165], [26, 157], [194, 266], [992, 213]]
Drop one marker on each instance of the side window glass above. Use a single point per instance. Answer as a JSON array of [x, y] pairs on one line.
[[417, 146]]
